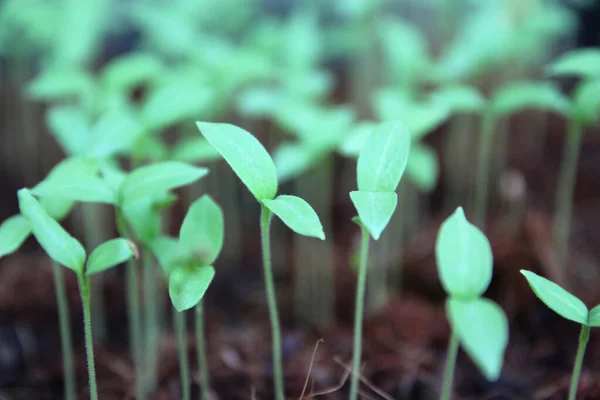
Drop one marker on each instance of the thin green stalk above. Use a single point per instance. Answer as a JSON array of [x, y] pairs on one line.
[[449, 369], [201, 350], [584, 336], [94, 232], [265, 222], [184, 364], [565, 190], [483, 169], [149, 320], [64, 322], [84, 290], [358, 316]]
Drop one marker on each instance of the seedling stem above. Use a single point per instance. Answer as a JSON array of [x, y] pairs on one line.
[[449, 369], [84, 290], [201, 349], [184, 369], [584, 336]]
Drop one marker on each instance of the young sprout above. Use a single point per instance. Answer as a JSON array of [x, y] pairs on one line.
[[570, 307], [380, 166], [252, 164], [67, 251], [464, 261]]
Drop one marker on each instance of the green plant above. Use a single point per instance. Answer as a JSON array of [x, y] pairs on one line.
[[569, 307], [464, 261], [380, 166], [67, 251], [252, 164]]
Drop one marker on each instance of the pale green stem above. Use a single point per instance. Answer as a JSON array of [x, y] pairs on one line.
[[483, 169], [84, 289], [150, 309], [584, 336], [358, 316], [265, 222], [201, 350], [184, 364], [93, 227], [449, 369], [565, 190], [64, 321]]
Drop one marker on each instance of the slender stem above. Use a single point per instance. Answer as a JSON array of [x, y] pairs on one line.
[[584, 336], [358, 316], [565, 190], [150, 320], [64, 321], [201, 350], [184, 364], [94, 232], [449, 369], [265, 222], [133, 312], [483, 169], [84, 290]]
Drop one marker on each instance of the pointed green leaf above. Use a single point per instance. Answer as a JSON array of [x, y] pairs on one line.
[[292, 160], [116, 131], [54, 84], [246, 156], [169, 253], [58, 244], [194, 149], [383, 158], [187, 285], [13, 232], [587, 102], [482, 328], [126, 72], [157, 178], [423, 167], [583, 63], [594, 316], [110, 254], [464, 257], [57, 208], [153, 148], [519, 96], [557, 299], [202, 230], [70, 126], [355, 139], [144, 220], [460, 99], [297, 214], [89, 189], [375, 209]]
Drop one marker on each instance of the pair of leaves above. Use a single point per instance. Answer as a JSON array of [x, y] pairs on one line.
[[381, 163], [464, 257], [482, 328], [562, 302], [253, 165], [64, 248]]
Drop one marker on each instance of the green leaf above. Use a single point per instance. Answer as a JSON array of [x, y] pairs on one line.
[[464, 257], [482, 328], [594, 316], [13, 232], [187, 285], [116, 131], [57, 208], [292, 160], [460, 99], [54, 84], [355, 139], [423, 167], [128, 71], [168, 252], [60, 246], [202, 230], [176, 102], [143, 218], [297, 214], [157, 178], [246, 156], [70, 126], [519, 96], [76, 187], [587, 102], [194, 149], [152, 148], [375, 209], [383, 158], [583, 63], [557, 299], [110, 254]]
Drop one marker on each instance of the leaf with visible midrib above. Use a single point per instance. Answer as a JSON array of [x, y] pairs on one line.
[[297, 214], [110, 254], [188, 283], [247, 157], [557, 299], [375, 209]]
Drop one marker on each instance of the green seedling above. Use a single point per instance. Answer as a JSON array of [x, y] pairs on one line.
[[464, 261], [582, 63], [67, 251], [252, 164], [569, 307], [380, 166], [512, 98]]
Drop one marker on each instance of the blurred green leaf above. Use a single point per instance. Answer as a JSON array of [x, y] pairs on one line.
[[71, 128], [202, 230], [168, 252], [13, 232], [187, 285], [297, 214], [56, 242], [56, 84], [245, 155], [582, 63], [355, 139], [587, 102], [130, 70], [375, 209], [460, 99], [194, 149], [292, 160], [110, 254], [594, 316], [464, 257], [114, 132], [423, 167], [518, 96]]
